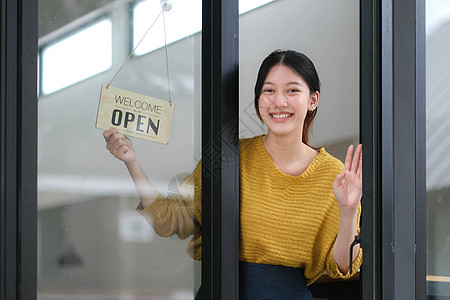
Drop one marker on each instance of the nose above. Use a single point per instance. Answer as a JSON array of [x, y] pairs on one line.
[[279, 100]]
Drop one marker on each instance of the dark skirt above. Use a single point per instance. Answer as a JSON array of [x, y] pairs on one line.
[[268, 282]]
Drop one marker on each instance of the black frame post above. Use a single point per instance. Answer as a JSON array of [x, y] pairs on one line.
[[420, 151], [386, 152], [369, 137], [393, 137], [402, 156], [220, 150], [18, 150]]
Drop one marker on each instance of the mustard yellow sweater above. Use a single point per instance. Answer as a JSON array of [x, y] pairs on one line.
[[285, 220]]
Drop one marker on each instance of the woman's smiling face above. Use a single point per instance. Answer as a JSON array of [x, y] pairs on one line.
[[284, 101]]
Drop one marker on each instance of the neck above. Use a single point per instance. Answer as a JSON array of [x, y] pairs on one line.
[[286, 148]]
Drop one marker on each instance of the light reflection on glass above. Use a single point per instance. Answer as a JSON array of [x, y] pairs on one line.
[[77, 57], [184, 19]]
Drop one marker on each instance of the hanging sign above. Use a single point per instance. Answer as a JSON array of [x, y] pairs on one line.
[[135, 114]]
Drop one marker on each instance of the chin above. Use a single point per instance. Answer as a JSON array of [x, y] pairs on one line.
[[285, 132]]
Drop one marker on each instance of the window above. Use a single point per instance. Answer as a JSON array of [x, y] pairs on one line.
[[85, 53]]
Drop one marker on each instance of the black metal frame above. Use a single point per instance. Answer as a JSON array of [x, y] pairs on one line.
[[18, 150], [369, 135], [403, 104], [220, 150], [393, 135], [420, 151]]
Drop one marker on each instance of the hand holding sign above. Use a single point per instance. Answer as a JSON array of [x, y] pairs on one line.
[[119, 145]]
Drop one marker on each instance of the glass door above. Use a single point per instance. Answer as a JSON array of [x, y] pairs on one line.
[[94, 242], [438, 141], [328, 33]]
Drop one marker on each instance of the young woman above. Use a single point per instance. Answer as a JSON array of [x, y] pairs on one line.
[[300, 206]]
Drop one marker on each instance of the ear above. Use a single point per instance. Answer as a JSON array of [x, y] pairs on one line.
[[314, 101]]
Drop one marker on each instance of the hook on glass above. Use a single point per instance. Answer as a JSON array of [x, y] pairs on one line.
[[166, 5]]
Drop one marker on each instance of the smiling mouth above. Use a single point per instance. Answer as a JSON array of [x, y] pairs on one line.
[[281, 116]]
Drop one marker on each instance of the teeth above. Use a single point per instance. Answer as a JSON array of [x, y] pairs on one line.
[[281, 116]]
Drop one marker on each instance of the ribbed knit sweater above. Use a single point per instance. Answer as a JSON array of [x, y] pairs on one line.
[[285, 220]]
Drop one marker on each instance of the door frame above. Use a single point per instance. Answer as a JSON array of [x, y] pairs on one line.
[[392, 94]]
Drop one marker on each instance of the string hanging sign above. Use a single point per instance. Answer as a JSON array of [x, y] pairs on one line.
[[135, 114]]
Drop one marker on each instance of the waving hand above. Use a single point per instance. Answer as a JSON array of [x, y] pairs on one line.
[[347, 186]]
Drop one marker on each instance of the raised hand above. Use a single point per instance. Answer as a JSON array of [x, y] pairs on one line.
[[347, 186], [119, 145]]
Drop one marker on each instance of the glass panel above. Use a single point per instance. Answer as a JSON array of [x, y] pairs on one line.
[[92, 243], [328, 33], [438, 143], [85, 53]]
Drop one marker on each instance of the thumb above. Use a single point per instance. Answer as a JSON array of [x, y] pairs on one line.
[[338, 179]]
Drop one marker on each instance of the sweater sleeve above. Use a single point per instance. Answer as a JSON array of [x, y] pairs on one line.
[[331, 265], [178, 213]]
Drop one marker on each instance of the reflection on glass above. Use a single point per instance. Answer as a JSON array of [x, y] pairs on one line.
[[438, 143], [184, 19], [92, 243], [77, 57], [187, 13]]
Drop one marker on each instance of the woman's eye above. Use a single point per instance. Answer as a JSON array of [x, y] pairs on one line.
[[293, 91], [268, 90]]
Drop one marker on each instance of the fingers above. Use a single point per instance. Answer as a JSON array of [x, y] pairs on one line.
[[348, 158], [119, 146], [353, 163], [338, 180], [116, 141], [108, 133], [356, 158], [112, 135], [359, 172]]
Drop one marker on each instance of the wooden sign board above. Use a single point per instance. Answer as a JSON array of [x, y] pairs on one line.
[[135, 114]]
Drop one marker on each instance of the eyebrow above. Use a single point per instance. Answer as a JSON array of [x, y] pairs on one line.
[[289, 83]]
